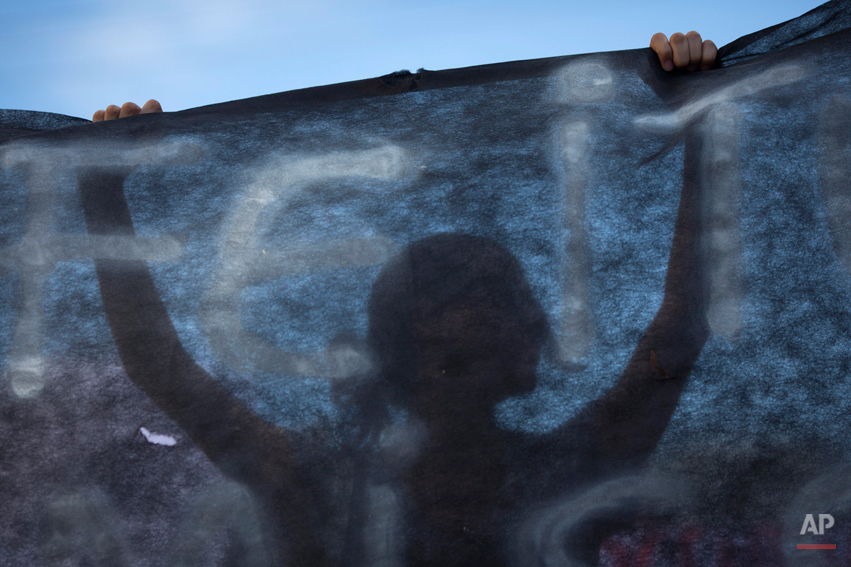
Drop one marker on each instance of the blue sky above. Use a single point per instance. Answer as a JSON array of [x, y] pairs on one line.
[[76, 56]]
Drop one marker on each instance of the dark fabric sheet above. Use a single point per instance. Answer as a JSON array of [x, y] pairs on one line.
[[569, 311]]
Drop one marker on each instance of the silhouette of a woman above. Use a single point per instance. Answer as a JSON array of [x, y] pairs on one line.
[[454, 329]]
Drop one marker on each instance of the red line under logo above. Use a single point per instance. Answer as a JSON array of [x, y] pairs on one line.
[[816, 546]]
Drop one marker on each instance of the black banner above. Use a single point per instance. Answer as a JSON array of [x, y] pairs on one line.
[[569, 311]]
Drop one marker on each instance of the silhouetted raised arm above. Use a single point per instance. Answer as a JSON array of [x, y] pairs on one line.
[[236, 440], [230, 434], [631, 418], [624, 426]]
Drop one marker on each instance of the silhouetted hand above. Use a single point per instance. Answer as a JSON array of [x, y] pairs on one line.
[[128, 109], [687, 51]]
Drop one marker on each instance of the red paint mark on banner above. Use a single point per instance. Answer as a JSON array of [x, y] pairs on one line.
[[630, 552], [693, 545]]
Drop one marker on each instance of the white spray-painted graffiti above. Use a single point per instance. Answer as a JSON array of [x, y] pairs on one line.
[[579, 84], [835, 174], [719, 119], [244, 262], [720, 175], [37, 254]]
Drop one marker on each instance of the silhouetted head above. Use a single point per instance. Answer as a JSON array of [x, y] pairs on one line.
[[453, 322]]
